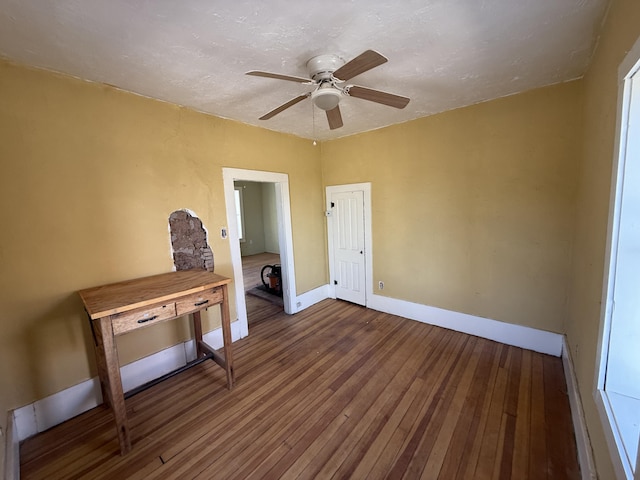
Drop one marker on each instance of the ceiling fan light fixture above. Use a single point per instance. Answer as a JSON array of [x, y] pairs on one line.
[[326, 97]]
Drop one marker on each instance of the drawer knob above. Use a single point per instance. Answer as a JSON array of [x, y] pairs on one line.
[[197, 304], [144, 320]]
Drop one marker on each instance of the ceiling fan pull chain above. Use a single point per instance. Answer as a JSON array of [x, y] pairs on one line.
[[313, 120]]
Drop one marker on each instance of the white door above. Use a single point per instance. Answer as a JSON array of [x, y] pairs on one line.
[[347, 217]]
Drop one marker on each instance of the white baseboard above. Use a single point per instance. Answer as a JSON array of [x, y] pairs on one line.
[[55, 409], [59, 407], [516, 335], [25, 421], [583, 443], [12, 450], [534, 339], [305, 300]]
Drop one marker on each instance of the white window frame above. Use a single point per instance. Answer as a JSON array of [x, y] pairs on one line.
[[624, 470]]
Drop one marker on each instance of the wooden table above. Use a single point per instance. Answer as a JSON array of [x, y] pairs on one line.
[[126, 306]]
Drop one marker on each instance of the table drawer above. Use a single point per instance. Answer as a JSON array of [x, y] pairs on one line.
[[126, 321], [198, 301]]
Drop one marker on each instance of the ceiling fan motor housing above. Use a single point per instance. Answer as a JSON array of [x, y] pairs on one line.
[[321, 67]]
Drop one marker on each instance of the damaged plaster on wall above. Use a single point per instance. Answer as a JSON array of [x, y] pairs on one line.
[[189, 242]]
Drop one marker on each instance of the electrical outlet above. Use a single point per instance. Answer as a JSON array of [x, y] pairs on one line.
[[380, 285]]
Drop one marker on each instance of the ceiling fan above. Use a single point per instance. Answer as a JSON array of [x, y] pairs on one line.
[[329, 73]]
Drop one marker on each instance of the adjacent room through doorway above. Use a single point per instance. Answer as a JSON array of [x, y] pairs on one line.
[[256, 214]]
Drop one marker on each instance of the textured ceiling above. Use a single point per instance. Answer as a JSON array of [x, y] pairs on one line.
[[443, 54]]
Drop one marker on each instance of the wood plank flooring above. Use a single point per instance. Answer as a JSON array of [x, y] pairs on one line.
[[334, 392], [252, 265]]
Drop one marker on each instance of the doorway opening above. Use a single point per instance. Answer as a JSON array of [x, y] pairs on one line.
[[244, 232]]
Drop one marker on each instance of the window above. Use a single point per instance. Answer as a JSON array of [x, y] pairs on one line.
[[239, 212], [618, 394]]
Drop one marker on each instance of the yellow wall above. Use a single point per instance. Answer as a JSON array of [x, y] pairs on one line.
[[619, 33], [89, 177], [473, 208]]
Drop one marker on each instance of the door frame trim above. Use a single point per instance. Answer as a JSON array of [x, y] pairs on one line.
[[285, 237], [368, 244]]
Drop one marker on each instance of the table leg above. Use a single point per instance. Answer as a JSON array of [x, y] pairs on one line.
[[108, 358], [102, 367], [197, 333], [226, 337]]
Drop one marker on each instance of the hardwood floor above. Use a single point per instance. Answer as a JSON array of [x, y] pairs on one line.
[[336, 391], [258, 308], [252, 265]]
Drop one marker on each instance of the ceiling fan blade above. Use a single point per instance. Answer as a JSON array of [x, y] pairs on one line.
[[291, 78], [334, 118], [377, 96], [284, 106], [362, 63]]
